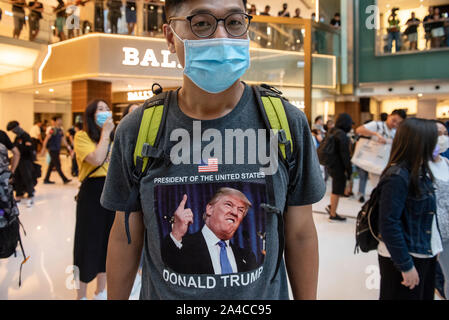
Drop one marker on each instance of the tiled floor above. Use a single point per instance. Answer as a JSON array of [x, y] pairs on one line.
[[50, 228]]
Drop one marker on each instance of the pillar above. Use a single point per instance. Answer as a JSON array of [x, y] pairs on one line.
[[350, 107], [84, 91], [427, 109]]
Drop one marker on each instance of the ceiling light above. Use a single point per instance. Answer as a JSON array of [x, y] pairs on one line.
[[36, 92], [51, 90]]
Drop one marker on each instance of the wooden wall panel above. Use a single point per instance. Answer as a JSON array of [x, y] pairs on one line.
[[350, 107], [84, 91]]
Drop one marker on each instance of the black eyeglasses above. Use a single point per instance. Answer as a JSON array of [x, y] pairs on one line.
[[204, 25]]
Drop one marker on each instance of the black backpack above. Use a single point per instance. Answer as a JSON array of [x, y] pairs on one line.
[[9, 214], [326, 151], [367, 235]]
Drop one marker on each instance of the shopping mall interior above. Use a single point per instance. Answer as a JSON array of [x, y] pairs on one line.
[[322, 67]]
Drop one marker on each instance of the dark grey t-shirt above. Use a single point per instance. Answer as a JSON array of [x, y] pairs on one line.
[[192, 268]]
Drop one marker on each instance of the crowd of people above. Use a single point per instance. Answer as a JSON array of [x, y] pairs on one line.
[[411, 214], [70, 20], [290, 39], [71, 17], [125, 216], [435, 26]]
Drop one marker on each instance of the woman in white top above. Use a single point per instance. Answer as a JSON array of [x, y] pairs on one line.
[[440, 170]]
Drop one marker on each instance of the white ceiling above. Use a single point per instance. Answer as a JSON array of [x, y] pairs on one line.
[[16, 58]]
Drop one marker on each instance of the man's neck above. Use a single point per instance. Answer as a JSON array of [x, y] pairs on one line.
[[199, 104]]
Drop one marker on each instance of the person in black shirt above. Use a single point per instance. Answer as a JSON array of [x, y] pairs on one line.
[[427, 24], [266, 12], [24, 178], [437, 28], [336, 22], [297, 32], [341, 168], [36, 9], [263, 29], [412, 31], [253, 10], [284, 12], [18, 10], [114, 14], [4, 139], [131, 15], [53, 139]]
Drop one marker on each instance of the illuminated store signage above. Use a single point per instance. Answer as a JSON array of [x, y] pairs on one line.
[[140, 95], [132, 57]]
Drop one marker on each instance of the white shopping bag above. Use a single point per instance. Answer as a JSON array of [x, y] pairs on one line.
[[371, 156]]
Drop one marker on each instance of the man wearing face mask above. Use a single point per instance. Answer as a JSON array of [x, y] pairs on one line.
[[440, 170], [210, 39], [53, 139], [24, 177]]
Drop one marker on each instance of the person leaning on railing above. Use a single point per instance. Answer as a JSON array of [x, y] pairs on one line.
[[437, 28], [18, 10], [60, 19], [36, 10], [394, 31], [412, 31]]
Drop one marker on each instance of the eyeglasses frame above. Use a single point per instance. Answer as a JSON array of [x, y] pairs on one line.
[[190, 18]]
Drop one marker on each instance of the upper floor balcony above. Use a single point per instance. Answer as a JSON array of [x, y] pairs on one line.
[[402, 40], [94, 39]]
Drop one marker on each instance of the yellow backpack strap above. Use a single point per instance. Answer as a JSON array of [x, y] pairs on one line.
[[273, 112], [274, 108], [154, 113], [148, 131]]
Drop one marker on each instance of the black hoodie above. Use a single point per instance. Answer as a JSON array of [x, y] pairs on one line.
[[342, 126]]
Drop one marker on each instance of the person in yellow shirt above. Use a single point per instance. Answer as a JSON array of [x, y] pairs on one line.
[[93, 222]]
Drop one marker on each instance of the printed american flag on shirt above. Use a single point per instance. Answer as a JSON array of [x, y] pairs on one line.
[[212, 166]]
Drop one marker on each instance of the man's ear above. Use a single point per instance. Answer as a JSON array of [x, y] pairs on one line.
[[170, 38], [208, 210]]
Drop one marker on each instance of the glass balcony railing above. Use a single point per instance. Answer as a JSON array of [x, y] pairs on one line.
[[113, 16], [277, 36]]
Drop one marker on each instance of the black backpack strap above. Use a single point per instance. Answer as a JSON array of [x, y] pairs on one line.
[[145, 152], [274, 210], [287, 158]]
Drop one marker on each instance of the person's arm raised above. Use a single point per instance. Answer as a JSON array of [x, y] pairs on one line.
[[123, 259], [97, 157]]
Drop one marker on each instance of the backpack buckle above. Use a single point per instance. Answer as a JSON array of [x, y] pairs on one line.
[[271, 88], [149, 151], [282, 137]]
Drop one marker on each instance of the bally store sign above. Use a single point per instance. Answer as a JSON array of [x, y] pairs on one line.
[[105, 55]]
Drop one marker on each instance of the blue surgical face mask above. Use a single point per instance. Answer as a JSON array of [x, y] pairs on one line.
[[101, 117], [215, 64]]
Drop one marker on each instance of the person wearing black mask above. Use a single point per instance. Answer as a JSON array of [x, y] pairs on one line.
[[341, 168], [24, 177]]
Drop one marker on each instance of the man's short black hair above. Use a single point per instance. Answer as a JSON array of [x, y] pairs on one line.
[[171, 5], [318, 118], [400, 112], [55, 118], [12, 125]]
